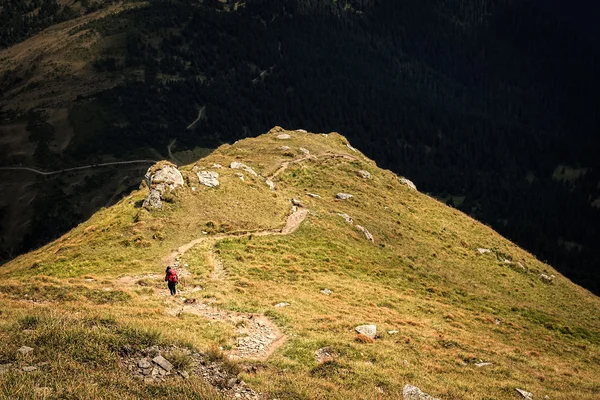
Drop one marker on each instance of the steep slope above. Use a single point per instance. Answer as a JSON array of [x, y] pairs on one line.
[[277, 271], [484, 102]]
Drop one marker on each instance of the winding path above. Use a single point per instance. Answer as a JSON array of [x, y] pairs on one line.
[[60, 171]]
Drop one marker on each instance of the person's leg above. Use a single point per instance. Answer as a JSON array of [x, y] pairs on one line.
[[174, 289], [170, 288]]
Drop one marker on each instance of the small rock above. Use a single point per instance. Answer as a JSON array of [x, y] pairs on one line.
[[164, 364], [483, 251], [324, 354], [282, 305], [208, 178], [364, 174], [314, 196], [301, 130], [367, 234], [184, 374], [4, 368], [146, 371], [408, 183], [303, 150], [24, 350], [326, 292], [283, 148], [297, 202], [240, 175], [367, 330], [483, 364], [143, 363], [410, 392], [547, 278], [231, 383], [270, 184], [29, 368], [217, 166], [239, 165], [284, 136], [346, 217], [350, 147], [343, 196], [527, 395], [393, 332]]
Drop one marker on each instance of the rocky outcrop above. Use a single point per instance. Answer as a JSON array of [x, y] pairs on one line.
[[239, 165], [208, 178], [410, 392], [161, 178], [407, 182]]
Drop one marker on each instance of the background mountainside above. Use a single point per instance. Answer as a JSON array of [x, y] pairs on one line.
[[460, 311], [488, 105]]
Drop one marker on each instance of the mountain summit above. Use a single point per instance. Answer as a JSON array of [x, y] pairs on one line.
[[305, 271]]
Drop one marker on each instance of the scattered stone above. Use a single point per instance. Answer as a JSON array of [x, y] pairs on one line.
[[346, 217], [147, 371], [283, 148], [410, 392], [282, 305], [297, 203], [483, 251], [408, 183], [163, 363], [4, 368], [351, 148], [314, 196], [483, 364], [326, 292], [270, 184], [393, 332], [304, 150], [547, 278], [144, 363], [343, 196], [301, 130], [208, 178], [161, 177], [241, 176], [284, 136], [364, 174], [239, 165], [184, 374], [367, 234], [24, 350], [217, 166], [367, 330], [152, 351], [29, 368], [324, 354], [231, 383], [527, 395]]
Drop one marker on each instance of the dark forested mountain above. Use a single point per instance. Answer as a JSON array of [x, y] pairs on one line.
[[489, 105]]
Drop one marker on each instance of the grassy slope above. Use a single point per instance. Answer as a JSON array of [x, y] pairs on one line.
[[423, 277]]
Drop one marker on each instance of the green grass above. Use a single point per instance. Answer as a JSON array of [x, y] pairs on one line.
[[423, 277]]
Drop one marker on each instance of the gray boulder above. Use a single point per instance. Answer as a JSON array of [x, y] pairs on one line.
[[163, 363], [367, 330], [343, 196], [364, 174], [239, 165], [161, 177], [367, 234], [407, 182], [208, 178], [410, 392]]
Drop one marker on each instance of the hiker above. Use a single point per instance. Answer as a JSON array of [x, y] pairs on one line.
[[171, 278]]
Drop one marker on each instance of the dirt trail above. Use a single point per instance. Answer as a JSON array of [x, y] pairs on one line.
[[257, 336]]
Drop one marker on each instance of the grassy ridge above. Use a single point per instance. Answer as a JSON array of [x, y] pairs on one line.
[[423, 277]]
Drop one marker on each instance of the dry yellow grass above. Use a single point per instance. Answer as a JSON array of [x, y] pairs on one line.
[[423, 277]]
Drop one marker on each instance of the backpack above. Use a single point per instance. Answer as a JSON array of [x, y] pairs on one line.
[[172, 277]]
